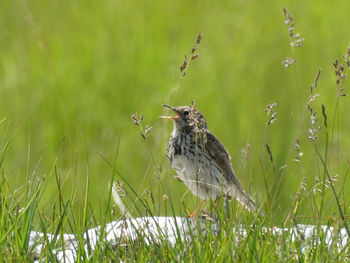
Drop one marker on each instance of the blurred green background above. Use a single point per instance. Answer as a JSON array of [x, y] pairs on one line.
[[72, 73]]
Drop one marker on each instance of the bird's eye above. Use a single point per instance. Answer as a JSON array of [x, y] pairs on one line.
[[186, 113]]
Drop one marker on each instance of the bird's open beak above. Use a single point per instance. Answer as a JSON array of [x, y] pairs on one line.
[[176, 118]]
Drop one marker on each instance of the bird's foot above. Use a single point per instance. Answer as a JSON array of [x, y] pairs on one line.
[[192, 215]]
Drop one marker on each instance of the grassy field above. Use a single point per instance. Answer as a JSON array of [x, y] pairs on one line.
[[72, 73]]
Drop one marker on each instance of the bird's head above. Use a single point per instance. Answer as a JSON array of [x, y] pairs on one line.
[[186, 116]]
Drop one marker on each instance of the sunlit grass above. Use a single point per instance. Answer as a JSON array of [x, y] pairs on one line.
[[72, 74]]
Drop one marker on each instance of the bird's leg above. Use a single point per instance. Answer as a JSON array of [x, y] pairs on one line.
[[191, 215]]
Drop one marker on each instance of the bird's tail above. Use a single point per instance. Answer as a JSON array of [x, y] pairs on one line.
[[246, 200]]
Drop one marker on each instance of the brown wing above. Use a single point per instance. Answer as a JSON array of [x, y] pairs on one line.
[[222, 158], [223, 161]]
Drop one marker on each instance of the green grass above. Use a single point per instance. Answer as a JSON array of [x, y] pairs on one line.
[[72, 73]]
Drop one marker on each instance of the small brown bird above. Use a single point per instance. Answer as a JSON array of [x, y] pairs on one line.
[[200, 159]]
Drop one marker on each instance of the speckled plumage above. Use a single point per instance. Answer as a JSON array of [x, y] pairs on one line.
[[200, 160]]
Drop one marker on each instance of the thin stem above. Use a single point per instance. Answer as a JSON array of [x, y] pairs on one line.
[[333, 189]]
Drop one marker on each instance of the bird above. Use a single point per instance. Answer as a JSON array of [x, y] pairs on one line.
[[200, 160]]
